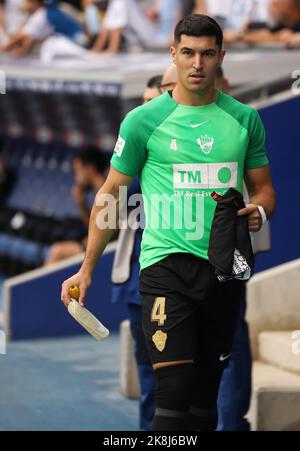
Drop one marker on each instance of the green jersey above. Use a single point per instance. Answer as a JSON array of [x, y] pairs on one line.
[[182, 154]]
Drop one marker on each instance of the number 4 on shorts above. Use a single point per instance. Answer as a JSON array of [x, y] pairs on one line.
[[158, 311]]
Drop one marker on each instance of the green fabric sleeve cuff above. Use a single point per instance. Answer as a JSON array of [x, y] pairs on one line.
[[122, 168], [255, 163]]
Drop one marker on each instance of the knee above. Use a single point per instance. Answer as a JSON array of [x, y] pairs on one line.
[[173, 391], [54, 254], [203, 419], [174, 385], [56, 250]]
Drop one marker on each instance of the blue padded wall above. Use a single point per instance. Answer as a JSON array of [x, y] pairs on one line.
[[283, 145], [36, 310]]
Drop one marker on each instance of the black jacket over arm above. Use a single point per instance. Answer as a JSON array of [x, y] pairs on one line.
[[229, 232]]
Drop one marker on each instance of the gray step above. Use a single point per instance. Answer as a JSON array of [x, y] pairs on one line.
[[281, 349]]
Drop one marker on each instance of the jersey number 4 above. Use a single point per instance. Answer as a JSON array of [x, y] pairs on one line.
[[158, 311]]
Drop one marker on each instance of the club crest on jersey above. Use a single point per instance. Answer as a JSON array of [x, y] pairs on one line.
[[119, 146], [159, 339], [205, 143]]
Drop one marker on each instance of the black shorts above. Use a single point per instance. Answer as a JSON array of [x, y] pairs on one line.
[[187, 313]]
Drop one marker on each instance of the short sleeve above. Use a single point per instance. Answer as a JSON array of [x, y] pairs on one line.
[[131, 148], [37, 25], [256, 153], [116, 15]]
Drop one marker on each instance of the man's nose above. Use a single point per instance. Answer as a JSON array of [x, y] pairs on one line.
[[198, 62]]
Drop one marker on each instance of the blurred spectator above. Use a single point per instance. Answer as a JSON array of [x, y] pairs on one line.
[[153, 11], [72, 10], [232, 15], [169, 12], [235, 16], [76, 4], [12, 17], [196, 6], [43, 22], [285, 14], [166, 13], [193, 6], [124, 20], [221, 10], [89, 167], [94, 11], [187, 7], [66, 25], [169, 79], [258, 14], [285, 18], [153, 88]]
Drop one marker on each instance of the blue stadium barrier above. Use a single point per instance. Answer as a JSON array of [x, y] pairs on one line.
[[32, 306], [283, 142]]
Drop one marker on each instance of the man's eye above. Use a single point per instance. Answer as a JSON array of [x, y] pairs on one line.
[[209, 54], [187, 52]]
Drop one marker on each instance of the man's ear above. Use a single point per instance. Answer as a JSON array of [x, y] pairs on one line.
[[222, 55], [173, 54]]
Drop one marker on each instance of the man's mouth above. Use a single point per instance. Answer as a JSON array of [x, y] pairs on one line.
[[197, 77]]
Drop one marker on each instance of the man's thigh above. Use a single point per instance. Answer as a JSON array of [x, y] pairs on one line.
[[168, 317], [220, 313], [169, 328]]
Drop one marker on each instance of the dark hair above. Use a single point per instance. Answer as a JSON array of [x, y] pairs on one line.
[[91, 156], [155, 82], [199, 25]]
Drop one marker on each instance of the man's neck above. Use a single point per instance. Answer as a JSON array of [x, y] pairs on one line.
[[188, 98]]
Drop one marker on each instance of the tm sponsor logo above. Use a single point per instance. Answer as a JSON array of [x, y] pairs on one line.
[[205, 176]]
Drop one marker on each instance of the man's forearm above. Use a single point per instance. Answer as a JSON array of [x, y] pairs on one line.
[[97, 241], [24, 48], [115, 40], [2, 19], [101, 41], [258, 36], [12, 42]]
